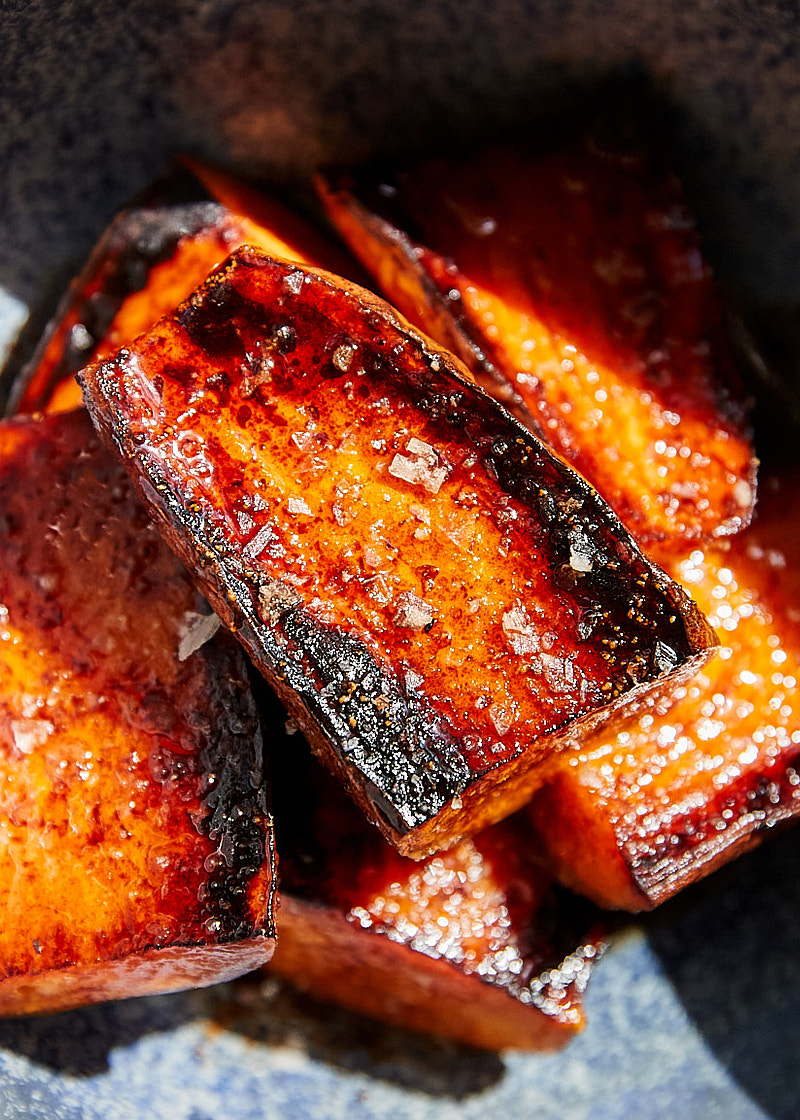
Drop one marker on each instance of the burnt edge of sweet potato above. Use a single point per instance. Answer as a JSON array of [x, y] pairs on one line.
[[135, 241], [393, 750], [236, 805]]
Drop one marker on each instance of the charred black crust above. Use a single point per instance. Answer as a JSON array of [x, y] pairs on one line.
[[236, 816], [401, 751]]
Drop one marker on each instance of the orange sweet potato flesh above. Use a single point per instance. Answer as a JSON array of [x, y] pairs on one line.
[[152, 256], [645, 812], [475, 945], [136, 850], [573, 286], [436, 596]]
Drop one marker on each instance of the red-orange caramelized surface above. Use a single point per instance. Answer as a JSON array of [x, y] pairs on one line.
[[573, 285], [436, 596], [136, 849], [474, 944], [149, 259], [643, 813]]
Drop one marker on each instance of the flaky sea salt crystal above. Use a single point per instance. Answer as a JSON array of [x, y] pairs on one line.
[[294, 281], [343, 356], [580, 560], [196, 630], [412, 612], [30, 733], [420, 467], [502, 716], [259, 542], [519, 631]]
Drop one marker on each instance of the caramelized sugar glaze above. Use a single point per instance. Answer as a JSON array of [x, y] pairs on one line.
[[434, 593]]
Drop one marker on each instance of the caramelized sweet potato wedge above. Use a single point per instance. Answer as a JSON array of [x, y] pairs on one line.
[[136, 850], [152, 256], [476, 944], [436, 596], [573, 286], [649, 810]]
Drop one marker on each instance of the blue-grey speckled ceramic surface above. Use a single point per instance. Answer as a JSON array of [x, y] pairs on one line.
[[696, 1010]]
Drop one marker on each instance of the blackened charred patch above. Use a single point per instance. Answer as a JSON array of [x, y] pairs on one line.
[[212, 328], [397, 742], [231, 790]]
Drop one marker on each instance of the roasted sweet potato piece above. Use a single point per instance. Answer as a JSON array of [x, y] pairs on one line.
[[476, 944], [136, 851], [152, 256], [436, 596], [573, 286], [647, 811]]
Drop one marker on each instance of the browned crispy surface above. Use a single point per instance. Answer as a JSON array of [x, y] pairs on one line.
[[651, 809], [151, 257], [572, 283], [474, 944], [135, 847], [437, 597]]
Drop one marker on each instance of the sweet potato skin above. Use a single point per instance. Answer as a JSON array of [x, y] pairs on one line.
[[274, 387], [475, 944], [571, 282], [136, 839], [646, 813]]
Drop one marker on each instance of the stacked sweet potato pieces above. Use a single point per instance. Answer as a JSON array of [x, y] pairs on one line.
[[459, 623]]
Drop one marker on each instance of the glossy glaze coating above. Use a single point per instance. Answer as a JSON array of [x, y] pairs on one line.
[[649, 810], [435, 594], [136, 843], [572, 283]]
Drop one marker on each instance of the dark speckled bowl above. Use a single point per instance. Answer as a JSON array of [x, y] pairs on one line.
[[696, 1011]]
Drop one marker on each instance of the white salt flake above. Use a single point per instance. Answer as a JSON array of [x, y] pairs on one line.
[[196, 630], [343, 356], [580, 560], [30, 733], [519, 631], [259, 542], [294, 281], [298, 505], [412, 612], [502, 716], [245, 522], [420, 467]]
